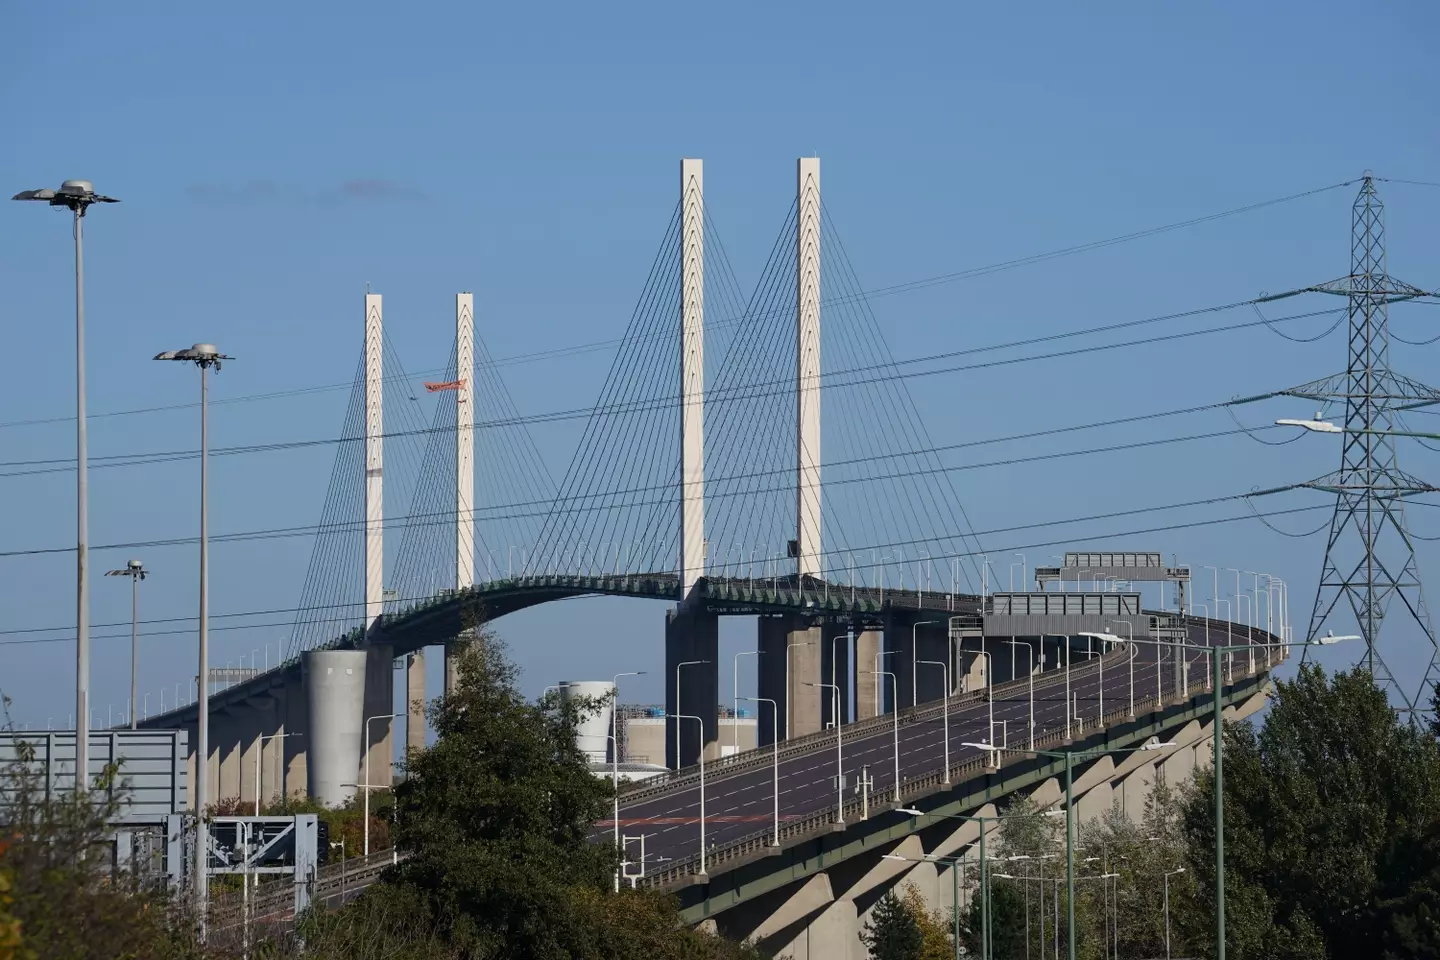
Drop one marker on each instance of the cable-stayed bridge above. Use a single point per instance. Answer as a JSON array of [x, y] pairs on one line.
[[699, 480]]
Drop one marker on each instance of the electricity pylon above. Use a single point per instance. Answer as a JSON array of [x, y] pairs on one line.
[[1370, 556]]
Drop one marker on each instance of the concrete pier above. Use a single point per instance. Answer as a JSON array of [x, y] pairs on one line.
[[692, 690], [379, 719], [868, 643], [794, 640], [335, 700]]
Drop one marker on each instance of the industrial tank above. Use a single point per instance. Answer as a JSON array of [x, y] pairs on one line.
[[593, 732]]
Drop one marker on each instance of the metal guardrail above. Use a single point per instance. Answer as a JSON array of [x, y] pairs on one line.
[[821, 821], [763, 757]]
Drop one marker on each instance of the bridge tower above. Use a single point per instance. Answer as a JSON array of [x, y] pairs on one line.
[[379, 678], [464, 465], [692, 636], [796, 654]]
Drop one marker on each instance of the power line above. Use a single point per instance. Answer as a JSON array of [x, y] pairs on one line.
[[767, 388], [545, 506], [1018, 528], [890, 290]]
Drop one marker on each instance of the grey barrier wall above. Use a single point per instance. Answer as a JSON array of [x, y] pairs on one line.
[[152, 766]]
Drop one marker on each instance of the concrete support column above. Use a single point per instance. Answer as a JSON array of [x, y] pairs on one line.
[[335, 699], [793, 640], [415, 702], [692, 690], [258, 721], [867, 645], [229, 735], [897, 694], [834, 669], [379, 701], [294, 750], [452, 667]]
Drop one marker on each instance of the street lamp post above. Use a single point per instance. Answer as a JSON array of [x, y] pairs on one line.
[[990, 692], [1070, 756], [1065, 639], [894, 706], [678, 666], [734, 697], [1167, 909], [895, 721], [775, 746], [1218, 730], [1130, 636], [368, 721], [615, 757], [956, 871], [136, 571], [204, 356], [678, 717], [839, 754], [985, 933], [1030, 672], [944, 713], [78, 196], [260, 752]]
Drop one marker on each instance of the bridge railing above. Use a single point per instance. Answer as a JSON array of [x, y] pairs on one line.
[[822, 820], [799, 746]]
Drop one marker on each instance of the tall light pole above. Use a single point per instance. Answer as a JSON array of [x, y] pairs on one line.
[[944, 713], [368, 721], [686, 663], [1070, 756], [1030, 671], [701, 723], [895, 717], [735, 698], [78, 196], [615, 757], [839, 755], [136, 571], [260, 752], [1066, 642], [775, 747], [204, 356], [1167, 908]]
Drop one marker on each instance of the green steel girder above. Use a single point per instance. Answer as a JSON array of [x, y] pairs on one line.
[[763, 874]]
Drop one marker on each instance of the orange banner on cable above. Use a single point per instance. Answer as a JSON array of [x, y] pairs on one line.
[[448, 385]]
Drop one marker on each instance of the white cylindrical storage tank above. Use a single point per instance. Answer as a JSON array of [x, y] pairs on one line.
[[335, 695], [593, 732]]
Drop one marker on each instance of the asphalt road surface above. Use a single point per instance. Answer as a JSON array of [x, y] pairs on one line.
[[742, 804]]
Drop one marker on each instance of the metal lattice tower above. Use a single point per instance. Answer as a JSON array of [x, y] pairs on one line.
[[1370, 556]]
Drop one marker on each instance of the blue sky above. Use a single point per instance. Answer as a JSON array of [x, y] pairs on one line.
[[275, 158]]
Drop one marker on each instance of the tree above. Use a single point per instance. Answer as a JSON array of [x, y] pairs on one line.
[[495, 819], [60, 895], [893, 931], [1326, 807], [936, 942], [1007, 921]]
